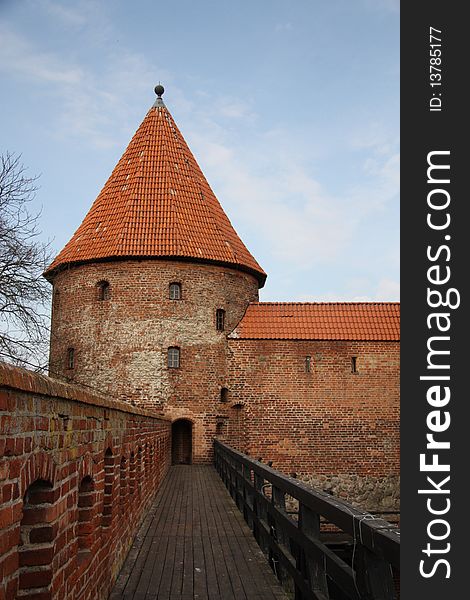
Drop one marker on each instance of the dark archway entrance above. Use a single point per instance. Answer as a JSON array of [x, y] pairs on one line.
[[182, 442]]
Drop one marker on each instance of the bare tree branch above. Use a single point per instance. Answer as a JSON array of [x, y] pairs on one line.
[[24, 293]]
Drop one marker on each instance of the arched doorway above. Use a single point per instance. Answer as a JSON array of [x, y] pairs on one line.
[[181, 442]]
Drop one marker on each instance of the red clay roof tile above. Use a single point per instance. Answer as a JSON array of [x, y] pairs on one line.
[[320, 321], [157, 204]]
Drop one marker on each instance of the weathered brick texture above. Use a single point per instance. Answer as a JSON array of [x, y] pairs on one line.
[[336, 429], [67, 512], [121, 344]]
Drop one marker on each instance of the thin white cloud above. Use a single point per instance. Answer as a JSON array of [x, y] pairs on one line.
[[68, 15], [19, 57], [268, 188], [285, 207], [280, 27], [384, 5], [93, 107], [279, 200], [234, 109], [386, 290]]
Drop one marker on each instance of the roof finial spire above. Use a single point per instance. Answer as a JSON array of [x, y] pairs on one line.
[[159, 89]]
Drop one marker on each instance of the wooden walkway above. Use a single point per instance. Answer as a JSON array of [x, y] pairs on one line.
[[195, 544]]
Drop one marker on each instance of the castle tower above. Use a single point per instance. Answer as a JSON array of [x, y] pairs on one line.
[[149, 287]]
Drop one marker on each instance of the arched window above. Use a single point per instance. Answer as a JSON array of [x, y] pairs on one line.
[[131, 473], [152, 460], [86, 513], [70, 358], [104, 290], [122, 483], [224, 394], [220, 427], [175, 291], [37, 536], [308, 364], [140, 470], [173, 357], [108, 488], [147, 460], [220, 319], [353, 364]]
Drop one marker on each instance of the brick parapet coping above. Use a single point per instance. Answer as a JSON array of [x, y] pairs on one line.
[[23, 380], [78, 472]]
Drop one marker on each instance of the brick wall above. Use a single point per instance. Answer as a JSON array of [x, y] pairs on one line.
[[336, 429], [121, 343], [77, 473]]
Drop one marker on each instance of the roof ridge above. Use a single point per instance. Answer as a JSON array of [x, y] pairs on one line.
[[336, 302]]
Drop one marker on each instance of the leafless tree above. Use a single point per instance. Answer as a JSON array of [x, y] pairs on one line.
[[24, 293]]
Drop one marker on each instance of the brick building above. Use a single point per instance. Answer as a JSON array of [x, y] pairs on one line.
[[156, 303]]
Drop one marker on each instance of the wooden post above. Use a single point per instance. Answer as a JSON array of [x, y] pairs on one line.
[[239, 485], [247, 496], [374, 576], [260, 511], [312, 567], [279, 500]]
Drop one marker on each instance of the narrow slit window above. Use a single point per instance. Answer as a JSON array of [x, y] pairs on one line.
[[308, 364], [224, 394], [173, 357], [220, 428], [104, 291], [175, 291], [220, 319], [353, 364], [70, 358]]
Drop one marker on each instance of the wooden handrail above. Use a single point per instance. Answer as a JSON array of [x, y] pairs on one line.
[[295, 547]]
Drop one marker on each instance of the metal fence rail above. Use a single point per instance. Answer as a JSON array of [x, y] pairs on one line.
[[296, 549]]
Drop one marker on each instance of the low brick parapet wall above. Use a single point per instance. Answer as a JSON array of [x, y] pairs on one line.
[[78, 471]]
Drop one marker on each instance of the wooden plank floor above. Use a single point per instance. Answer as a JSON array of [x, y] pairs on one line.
[[195, 544]]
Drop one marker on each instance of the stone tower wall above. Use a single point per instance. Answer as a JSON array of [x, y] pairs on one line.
[[121, 343]]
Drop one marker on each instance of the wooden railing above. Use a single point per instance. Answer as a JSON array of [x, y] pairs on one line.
[[295, 542]]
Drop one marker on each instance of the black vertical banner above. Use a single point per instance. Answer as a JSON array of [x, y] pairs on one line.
[[435, 237]]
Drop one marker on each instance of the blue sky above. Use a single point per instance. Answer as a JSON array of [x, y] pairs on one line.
[[291, 109]]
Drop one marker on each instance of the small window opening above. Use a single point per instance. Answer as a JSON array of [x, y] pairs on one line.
[[353, 364], [122, 483], [108, 488], [71, 358], [37, 532], [173, 357], [86, 518], [220, 319], [132, 473], [175, 291], [104, 290], [221, 427], [139, 469], [224, 394], [308, 364]]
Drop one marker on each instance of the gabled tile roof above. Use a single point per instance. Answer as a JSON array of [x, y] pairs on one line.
[[157, 204], [320, 321]]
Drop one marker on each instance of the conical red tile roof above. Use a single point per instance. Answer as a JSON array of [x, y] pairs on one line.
[[157, 204]]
